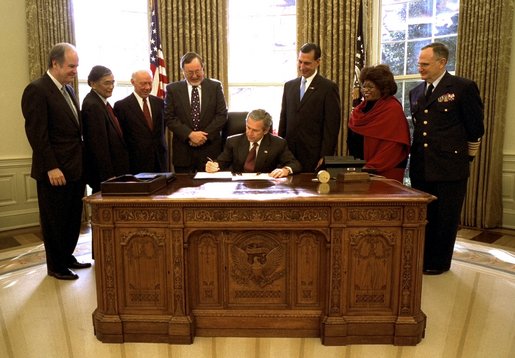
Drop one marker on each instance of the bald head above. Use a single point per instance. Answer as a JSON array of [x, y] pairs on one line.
[[142, 82]]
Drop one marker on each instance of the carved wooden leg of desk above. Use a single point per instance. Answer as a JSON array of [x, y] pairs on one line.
[[141, 292], [375, 277]]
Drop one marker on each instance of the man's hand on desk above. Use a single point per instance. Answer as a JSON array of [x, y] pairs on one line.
[[280, 172]]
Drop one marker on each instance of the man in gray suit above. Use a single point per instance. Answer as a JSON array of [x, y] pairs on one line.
[[195, 112], [54, 130], [310, 112]]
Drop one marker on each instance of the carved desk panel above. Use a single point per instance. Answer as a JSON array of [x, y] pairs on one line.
[[282, 258]]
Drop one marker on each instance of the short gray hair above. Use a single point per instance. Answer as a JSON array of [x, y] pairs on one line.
[[57, 53], [261, 115]]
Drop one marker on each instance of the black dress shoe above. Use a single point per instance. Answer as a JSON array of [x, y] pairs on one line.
[[79, 265], [433, 272], [64, 275]]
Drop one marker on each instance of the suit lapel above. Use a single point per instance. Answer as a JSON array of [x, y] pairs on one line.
[[442, 87], [71, 93], [184, 99], [263, 152], [205, 98], [418, 98], [243, 149], [309, 90], [106, 114], [296, 92], [155, 111]]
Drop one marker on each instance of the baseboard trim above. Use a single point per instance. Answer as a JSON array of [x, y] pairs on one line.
[[13, 221], [18, 199]]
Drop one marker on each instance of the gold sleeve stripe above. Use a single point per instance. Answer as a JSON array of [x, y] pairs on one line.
[[473, 148]]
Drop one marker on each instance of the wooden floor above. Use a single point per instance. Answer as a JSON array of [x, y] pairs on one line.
[[470, 310]]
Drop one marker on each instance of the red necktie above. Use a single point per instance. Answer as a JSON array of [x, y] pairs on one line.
[[146, 113], [250, 162], [113, 118], [195, 107]]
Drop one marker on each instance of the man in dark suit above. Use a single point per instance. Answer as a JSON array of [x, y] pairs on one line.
[[106, 151], [141, 117], [195, 112], [271, 153], [310, 112], [53, 128], [447, 112]]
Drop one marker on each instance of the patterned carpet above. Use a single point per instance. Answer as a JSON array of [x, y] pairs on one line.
[[24, 248]]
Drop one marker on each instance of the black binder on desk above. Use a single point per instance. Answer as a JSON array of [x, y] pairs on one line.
[[139, 184], [336, 164]]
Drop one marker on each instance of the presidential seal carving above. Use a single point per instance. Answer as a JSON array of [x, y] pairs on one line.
[[256, 260]]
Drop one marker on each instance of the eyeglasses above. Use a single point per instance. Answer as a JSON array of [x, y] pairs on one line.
[[194, 73], [108, 83]]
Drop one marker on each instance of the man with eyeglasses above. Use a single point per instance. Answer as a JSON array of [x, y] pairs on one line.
[[447, 113], [195, 112]]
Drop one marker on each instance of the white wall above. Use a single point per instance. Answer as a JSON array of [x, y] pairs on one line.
[[14, 76], [18, 200]]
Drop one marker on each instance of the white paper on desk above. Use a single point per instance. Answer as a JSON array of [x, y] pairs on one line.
[[252, 176], [215, 175]]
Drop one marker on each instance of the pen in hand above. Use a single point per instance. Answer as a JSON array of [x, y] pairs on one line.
[[211, 166]]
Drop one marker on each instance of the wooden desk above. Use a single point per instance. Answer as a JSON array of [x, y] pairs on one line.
[[293, 258]]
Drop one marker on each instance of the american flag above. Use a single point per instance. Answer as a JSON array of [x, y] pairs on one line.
[[359, 61], [157, 62]]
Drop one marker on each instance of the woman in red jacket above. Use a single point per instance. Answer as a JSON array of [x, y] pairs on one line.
[[381, 121]]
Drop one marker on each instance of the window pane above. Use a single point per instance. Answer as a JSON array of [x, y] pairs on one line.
[[123, 46], [262, 37], [418, 30], [262, 53], [247, 98], [446, 21], [394, 55], [394, 22], [420, 9]]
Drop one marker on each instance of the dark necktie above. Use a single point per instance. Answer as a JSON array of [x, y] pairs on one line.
[[113, 119], [146, 113], [250, 162], [429, 91], [195, 107]]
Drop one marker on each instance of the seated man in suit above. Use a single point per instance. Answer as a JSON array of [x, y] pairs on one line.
[[256, 150]]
